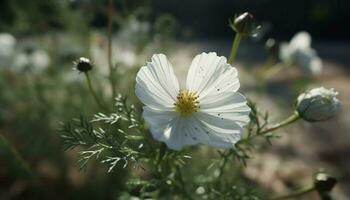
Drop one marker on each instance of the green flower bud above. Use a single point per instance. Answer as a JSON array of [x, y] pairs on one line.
[[324, 183], [318, 104], [83, 64], [244, 24]]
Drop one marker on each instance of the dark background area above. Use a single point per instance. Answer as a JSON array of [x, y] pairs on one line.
[[324, 19]]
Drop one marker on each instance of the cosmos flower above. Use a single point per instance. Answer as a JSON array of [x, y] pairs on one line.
[[298, 52], [206, 109], [318, 104]]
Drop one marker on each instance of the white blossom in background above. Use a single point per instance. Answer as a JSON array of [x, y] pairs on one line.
[[20, 62], [35, 61], [40, 59], [298, 52], [125, 55], [18, 59], [206, 109], [98, 52], [134, 31], [318, 104], [7, 49]]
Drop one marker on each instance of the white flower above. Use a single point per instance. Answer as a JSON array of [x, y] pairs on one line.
[[207, 109], [7, 48], [134, 31], [21, 61], [40, 59], [35, 61], [298, 52], [318, 104], [125, 55]]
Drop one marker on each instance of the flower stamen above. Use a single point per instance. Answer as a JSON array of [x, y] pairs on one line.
[[187, 103]]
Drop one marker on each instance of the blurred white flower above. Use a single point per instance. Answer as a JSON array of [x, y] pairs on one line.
[[7, 48], [35, 61], [98, 52], [21, 61], [298, 52], [40, 59], [124, 55], [318, 104], [134, 31], [207, 109]]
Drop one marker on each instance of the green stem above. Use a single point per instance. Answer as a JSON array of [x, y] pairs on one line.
[[295, 116], [183, 183], [160, 155], [92, 91], [234, 48], [109, 53], [296, 194], [222, 167]]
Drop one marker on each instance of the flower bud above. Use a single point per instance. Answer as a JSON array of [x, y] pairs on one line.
[[318, 104], [244, 24], [83, 64], [324, 183]]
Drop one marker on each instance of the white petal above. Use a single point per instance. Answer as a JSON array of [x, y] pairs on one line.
[[182, 134], [209, 72], [225, 81], [226, 100], [222, 133], [160, 122], [168, 127], [230, 105], [156, 83]]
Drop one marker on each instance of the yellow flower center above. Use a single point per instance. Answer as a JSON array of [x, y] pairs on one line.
[[187, 103]]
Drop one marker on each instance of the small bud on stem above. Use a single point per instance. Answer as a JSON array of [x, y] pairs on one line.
[[244, 24], [324, 183], [318, 104], [83, 64]]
